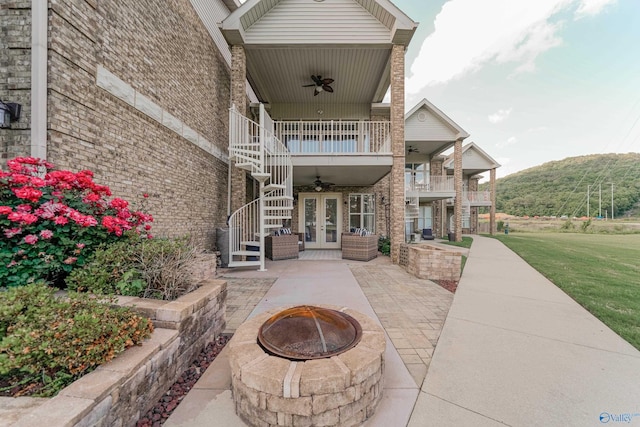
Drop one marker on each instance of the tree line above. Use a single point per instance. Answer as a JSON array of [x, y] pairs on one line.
[[559, 188]]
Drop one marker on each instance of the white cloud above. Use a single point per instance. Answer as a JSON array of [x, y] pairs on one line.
[[499, 115], [469, 34], [592, 7], [510, 141]]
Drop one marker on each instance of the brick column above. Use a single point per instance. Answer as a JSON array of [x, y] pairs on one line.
[[492, 211], [397, 148], [239, 99], [473, 220], [457, 179], [439, 207]]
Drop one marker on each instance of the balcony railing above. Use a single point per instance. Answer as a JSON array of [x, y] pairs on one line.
[[478, 196], [474, 198], [435, 184], [335, 136]]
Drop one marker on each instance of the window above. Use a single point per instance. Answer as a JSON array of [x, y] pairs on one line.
[[416, 176], [425, 220], [362, 211]]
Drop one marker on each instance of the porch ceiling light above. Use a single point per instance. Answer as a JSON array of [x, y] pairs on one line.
[[318, 188]]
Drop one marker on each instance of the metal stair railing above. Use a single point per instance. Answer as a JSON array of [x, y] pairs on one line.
[[256, 149]]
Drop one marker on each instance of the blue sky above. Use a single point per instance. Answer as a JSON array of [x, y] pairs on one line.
[[531, 81]]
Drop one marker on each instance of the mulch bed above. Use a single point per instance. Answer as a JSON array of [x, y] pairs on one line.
[[172, 398], [450, 285]]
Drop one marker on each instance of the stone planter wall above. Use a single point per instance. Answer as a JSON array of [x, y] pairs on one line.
[[432, 263], [119, 392], [204, 267]]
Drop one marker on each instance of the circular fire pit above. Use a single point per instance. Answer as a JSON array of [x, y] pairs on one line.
[[307, 332], [307, 365]]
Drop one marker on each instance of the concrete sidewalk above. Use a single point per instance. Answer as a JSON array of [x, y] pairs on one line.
[[515, 350]]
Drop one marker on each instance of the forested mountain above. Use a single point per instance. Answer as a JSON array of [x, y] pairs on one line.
[[560, 187]]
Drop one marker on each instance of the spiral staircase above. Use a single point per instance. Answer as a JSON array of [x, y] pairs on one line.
[[254, 148]]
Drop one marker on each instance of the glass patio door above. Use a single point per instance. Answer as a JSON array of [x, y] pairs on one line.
[[321, 219]]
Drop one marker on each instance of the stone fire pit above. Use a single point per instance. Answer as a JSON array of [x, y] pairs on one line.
[[343, 389]]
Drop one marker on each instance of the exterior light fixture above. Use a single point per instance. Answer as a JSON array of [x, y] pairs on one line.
[[9, 112], [318, 188]]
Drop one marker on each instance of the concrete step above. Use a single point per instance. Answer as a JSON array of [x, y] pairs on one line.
[[244, 263]]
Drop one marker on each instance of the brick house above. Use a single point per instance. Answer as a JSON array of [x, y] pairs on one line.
[[208, 105]]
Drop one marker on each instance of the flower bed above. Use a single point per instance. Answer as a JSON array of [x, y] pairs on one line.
[[52, 220], [119, 392]]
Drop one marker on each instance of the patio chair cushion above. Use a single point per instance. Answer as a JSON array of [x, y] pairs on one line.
[[427, 234]]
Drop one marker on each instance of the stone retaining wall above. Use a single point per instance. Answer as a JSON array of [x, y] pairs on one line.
[[119, 392], [430, 262]]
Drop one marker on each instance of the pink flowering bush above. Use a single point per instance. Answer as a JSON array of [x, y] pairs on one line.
[[52, 220]]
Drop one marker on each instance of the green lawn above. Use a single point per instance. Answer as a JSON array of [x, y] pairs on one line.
[[601, 272], [466, 242]]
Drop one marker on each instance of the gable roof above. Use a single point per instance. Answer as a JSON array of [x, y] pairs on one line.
[[482, 161], [456, 131], [236, 26]]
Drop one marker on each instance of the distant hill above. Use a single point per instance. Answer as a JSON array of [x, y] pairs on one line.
[[560, 187]]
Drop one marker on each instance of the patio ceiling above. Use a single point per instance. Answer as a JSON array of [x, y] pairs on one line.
[[277, 75], [287, 41]]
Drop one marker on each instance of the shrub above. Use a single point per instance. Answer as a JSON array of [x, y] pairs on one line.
[[500, 225], [158, 268], [384, 245], [51, 220], [567, 225], [47, 342]]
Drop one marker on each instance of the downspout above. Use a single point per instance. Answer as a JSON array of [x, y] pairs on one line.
[[233, 109], [39, 17]]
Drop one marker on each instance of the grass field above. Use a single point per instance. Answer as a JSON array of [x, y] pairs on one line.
[[601, 272]]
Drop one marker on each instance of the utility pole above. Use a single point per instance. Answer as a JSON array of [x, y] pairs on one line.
[[588, 191], [612, 200], [600, 201]]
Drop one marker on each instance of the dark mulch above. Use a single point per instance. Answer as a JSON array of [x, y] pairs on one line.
[[172, 398], [16, 386], [450, 285]]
